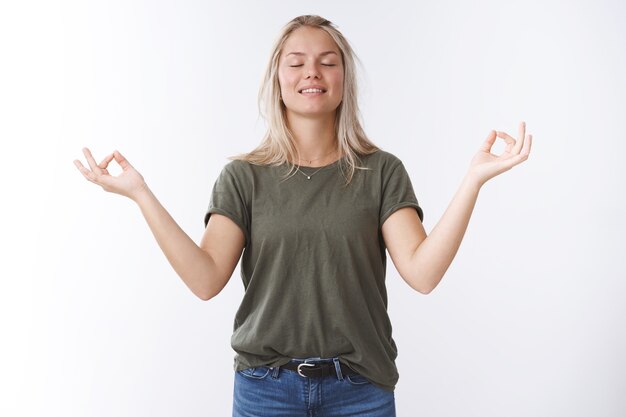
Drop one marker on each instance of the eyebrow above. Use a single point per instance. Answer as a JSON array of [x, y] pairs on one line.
[[302, 53]]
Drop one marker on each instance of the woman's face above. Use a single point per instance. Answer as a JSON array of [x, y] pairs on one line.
[[310, 58]]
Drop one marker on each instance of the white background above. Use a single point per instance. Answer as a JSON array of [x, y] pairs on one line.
[[529, 319]]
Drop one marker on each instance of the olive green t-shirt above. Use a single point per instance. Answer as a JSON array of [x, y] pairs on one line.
[[314, 262]]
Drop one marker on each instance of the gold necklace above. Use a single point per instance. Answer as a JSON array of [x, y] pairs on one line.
[[315, 159], [308, 176]]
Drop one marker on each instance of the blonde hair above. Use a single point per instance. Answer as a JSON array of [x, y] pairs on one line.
[[277, 146]]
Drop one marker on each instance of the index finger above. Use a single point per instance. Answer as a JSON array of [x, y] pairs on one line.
[[106, 161]]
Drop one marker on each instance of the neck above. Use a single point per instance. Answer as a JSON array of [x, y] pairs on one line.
[[314, 138]]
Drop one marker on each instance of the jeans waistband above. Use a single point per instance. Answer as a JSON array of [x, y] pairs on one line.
[[316, 359], [325, 366]]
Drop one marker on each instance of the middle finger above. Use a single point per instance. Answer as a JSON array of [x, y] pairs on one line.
[[92, 163]]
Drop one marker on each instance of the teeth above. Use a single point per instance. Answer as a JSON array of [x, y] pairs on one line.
[[312, 90]]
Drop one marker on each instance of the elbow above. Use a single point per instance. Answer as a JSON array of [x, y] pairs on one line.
[[425, 283], [206, 289], [422, 285], [207, 293], [422, 289], [206, 296], [417, 284], [425, 291]]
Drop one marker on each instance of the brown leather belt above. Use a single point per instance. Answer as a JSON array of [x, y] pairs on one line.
[[317, 370]]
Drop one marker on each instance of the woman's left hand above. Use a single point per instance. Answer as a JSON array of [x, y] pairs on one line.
[[486, 165]]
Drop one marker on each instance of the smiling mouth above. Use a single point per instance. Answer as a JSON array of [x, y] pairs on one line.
[[312, 91]]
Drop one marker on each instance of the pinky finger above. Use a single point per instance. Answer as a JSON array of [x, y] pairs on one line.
[[520, 157], [530, 143]]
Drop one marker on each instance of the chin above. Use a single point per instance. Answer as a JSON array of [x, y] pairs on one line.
[[313, 111], [315, 114]]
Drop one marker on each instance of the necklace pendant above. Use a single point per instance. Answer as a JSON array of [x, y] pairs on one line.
[[308, 178]]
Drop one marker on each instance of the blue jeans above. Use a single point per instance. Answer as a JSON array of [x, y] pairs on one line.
[[270, 392]]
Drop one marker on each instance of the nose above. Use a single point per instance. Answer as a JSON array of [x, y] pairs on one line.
[[312, 71]]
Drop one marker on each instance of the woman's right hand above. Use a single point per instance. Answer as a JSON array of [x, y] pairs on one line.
[[129, 183]]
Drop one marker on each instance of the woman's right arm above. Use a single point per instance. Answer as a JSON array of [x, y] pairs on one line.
[[205, 269]]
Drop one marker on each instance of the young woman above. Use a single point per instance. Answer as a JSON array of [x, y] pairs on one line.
[[313, 209]]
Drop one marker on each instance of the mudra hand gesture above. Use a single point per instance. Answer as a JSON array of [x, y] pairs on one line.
[[128, 183], [486, 165]]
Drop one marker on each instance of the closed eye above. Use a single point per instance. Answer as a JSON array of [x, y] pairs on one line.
[[326, 65]]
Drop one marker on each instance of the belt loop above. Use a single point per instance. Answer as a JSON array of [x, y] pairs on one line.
[[275, 372], [338, 368]]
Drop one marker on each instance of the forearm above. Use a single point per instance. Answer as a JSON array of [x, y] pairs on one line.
[[434, 255], [192, 264]]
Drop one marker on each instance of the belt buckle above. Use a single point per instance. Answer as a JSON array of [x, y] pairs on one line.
[[304, 364]]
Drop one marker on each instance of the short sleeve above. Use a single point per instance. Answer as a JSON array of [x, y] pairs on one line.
[[228, 199], [397, 193]]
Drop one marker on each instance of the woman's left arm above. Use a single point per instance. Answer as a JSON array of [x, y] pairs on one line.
[[423, 260]]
